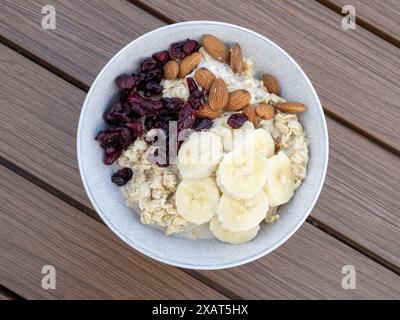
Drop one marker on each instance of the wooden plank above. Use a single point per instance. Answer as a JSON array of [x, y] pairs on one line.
[[5, 294], [13, 146], [87, 34], [38, 229], [380, 17], [355, 72], [352, 202], [308, 266]]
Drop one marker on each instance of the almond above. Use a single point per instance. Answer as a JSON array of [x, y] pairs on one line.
[[189, 63], [216, 48], [265, 111], [207, 112], [237, 59], [238, 99], [218, 96], [250, 112], [171, 70], [291, 107], [204, 78], [271, 84]]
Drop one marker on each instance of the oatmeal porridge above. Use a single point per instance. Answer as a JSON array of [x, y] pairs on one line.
[[204, 147]]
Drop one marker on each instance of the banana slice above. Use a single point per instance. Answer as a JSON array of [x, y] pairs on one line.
[[200, 155], [261, 141], [197, 200], [226, 137], [280, 184], [241, 215], [242, 173], [232, 237]]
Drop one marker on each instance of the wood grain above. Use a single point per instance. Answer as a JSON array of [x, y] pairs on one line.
[[15, 69], [380, 17], [351, 202], [354, 72], [354, 219], [37, 229], [87, 34], [308, 266]]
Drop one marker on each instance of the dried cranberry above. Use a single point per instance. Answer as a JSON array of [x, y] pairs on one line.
[[191, 84], [173, 105], [122, 176], [153, 75], [124, 95], [113, 141], [176, 51], [135, 128], [154, 122], [148, 65], [110, 158], [143, 106], [186, 118], [125, 81], [162, 56], [236, 120], [190, 46], [180, 50], [202, 124], [153, 88], [116, 115], [196, 98]]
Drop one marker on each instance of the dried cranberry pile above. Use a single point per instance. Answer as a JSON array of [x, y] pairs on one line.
[[140, 101]]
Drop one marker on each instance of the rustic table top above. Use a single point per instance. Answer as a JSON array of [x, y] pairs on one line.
[[46, 218]]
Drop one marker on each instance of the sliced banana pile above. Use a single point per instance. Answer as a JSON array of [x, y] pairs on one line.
[[230, 177]]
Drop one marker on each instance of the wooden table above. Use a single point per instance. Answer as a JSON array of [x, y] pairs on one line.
[[46, 218]]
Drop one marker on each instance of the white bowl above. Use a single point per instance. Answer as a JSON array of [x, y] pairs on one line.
[[200, 254]]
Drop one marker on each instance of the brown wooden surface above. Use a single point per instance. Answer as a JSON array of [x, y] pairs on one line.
[[55, 107], [88, 33], [355, 73], [308, 266], [38, 229], [359, 204], [380, 17], [14, 143]]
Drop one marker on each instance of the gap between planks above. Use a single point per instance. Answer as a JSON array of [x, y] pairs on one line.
[[7, 294], [363, 23], [90, 212], [59, 194]]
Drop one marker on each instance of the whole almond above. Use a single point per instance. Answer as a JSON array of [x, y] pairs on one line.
[[204, 78], [250, 112], [237, 59], [238, 99], [216, 48], [271, 84], [291, 107], [171, 70], [218, 96], [189, 63], [265, 111], [207, 112]]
